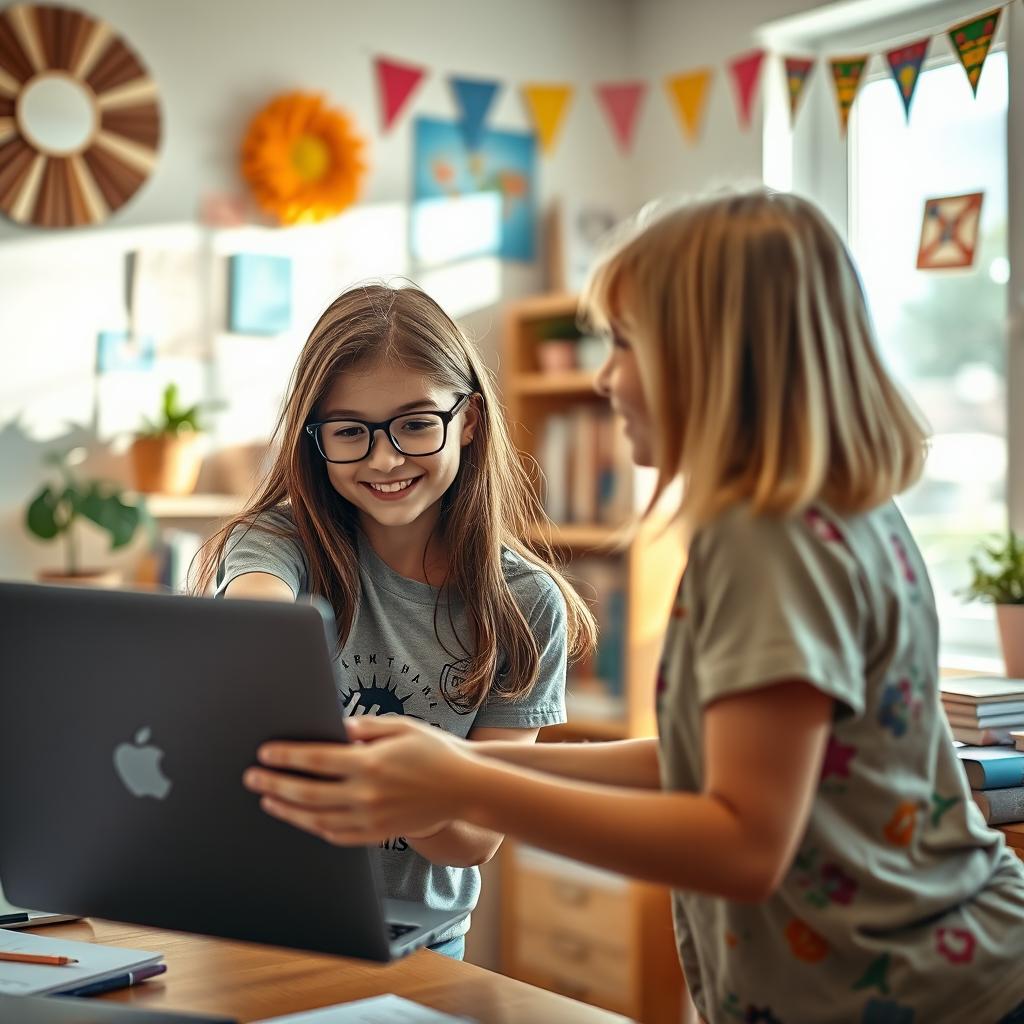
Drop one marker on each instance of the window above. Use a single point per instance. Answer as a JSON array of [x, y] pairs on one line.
[[942, 333]]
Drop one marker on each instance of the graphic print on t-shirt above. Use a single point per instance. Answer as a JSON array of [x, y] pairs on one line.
[[380, 684]]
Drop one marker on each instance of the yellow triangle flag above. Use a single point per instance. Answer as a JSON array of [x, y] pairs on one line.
[[689, 92], [547, 105]]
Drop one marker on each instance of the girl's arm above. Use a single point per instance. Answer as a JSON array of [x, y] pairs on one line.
[[632, 763], [261, 585], [460, 843], [763, 752]]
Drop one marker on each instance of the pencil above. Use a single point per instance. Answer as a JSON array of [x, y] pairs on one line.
[[35, 958]]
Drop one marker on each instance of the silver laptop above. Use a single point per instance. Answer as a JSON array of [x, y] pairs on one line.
[[128, 720]]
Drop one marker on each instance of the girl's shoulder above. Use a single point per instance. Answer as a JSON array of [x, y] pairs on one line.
[[534, 587]]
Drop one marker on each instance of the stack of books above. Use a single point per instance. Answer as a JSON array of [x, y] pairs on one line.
[[984, 710], [983, 713], [996, 775]]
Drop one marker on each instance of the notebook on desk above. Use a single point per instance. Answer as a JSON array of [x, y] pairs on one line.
[[95, 963]]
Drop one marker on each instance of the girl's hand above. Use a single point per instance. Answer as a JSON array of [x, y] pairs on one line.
[[405, 779]]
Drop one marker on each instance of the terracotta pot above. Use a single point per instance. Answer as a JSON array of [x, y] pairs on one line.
[[107, 578], [1010, 618], [167, 463], [556, 355]]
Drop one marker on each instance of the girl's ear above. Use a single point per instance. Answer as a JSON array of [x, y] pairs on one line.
[[472, 422]]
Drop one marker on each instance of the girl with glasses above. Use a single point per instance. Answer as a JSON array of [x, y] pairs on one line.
[[803, 798], [397, 495]]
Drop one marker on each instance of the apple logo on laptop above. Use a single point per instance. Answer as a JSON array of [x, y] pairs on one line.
[[138, 766]]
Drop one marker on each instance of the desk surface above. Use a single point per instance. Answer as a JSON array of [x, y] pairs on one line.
[[251, 982]]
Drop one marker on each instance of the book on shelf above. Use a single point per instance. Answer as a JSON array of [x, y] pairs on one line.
[[587, 466], [1000, 806], [1017, 736], [992, 767], [601, 583]]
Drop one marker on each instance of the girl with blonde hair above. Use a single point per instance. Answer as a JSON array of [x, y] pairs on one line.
[[803, 798], [397, 496]]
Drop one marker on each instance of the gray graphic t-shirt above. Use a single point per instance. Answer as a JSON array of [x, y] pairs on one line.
[[901, 906], [392, 663]]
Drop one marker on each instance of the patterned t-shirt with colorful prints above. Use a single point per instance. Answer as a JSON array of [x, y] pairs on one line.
[[901, 906]]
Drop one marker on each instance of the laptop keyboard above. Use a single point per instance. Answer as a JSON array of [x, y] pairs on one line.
[[396, 930]]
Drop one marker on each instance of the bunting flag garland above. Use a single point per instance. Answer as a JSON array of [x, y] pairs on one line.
[[621, 102], [473, 97], [846, 75], [396, 82], [905, 64], [949, 232], [689, 92], [547, 105], [746, 73], [798, 70], [971, 40]]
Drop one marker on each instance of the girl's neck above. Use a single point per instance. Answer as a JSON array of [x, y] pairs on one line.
[[414, 551]]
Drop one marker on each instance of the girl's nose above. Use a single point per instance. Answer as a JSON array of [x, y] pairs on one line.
[[384, 455]]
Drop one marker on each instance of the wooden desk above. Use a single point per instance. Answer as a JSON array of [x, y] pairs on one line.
[[1014, 837], [251, 982]]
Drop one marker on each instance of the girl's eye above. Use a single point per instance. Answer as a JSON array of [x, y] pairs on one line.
[[348, 433], [418, 425], [619, 342]]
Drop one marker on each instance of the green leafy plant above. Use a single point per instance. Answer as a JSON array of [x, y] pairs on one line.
[[174, 418], [563, 327], [997, 574], [54, 510]]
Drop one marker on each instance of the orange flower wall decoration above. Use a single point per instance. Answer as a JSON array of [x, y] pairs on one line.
[[303, 160]]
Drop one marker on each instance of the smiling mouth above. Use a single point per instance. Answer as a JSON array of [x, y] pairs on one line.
[[391, 488]]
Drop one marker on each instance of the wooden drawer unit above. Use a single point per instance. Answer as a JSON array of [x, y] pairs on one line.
[[578, 966], [580, 902], [589, 934]]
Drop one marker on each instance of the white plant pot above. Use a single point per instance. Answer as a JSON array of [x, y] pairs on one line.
[[1010, 618]]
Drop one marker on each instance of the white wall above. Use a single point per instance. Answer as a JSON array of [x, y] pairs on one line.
[[216, 64]]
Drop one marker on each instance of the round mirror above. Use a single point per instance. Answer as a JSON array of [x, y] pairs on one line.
[[56, 114]]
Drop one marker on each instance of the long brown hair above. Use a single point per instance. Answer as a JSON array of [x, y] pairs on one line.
[[491, 506], [758, 359]]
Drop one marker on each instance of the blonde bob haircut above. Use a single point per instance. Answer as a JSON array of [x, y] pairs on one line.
[[757, 359]]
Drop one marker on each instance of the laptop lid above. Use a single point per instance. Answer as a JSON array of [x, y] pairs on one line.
[[151, 707], [54, 1010]]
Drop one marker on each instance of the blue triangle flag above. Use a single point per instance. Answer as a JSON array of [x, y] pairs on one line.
[[474, 98]]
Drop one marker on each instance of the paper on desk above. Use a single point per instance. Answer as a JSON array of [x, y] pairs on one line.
[[388, 1009]]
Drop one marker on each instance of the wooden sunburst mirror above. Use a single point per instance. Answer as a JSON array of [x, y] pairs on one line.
[[79, 118]]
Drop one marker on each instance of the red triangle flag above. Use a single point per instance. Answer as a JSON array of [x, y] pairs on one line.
[[745, 73], [621, 102], [396, 82]]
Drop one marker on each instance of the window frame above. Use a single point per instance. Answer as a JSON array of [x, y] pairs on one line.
[[811, 157]]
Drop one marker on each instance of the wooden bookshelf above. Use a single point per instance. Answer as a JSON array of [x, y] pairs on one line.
[[579, 950], [193, 506]]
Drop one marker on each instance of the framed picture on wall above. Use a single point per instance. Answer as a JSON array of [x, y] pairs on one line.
[[260, 300]]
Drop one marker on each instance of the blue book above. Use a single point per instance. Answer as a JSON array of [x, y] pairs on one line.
[[993, 767]]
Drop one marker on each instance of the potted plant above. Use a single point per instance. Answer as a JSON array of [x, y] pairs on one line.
[[557, 349], [55, 511], [998, 576], [167, 453]]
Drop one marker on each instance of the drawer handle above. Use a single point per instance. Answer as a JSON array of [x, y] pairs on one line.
[[575, 895], [569, 948]]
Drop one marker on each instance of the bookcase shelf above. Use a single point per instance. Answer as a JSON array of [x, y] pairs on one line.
[[193, 506], [567, 382], [645, 567]]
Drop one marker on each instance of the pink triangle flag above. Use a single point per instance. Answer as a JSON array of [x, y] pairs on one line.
[[621, 102], [397, 83], [746, 73]]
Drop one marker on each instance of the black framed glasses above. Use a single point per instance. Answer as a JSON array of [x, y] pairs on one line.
[[412, 433]]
